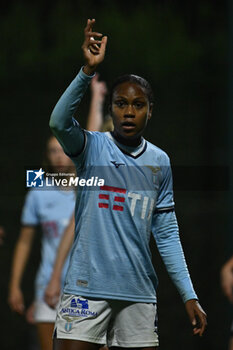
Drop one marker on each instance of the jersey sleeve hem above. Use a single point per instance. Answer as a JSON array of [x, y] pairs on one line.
[[165, 209], [79, 154]]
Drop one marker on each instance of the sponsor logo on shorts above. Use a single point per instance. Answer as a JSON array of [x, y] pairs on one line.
[[74, 313], [79, 308], [81, 304]]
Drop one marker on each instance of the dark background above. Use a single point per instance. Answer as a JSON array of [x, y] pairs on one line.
[[183, 49]]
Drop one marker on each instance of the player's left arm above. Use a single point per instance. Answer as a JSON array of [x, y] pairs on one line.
[[166, 232]]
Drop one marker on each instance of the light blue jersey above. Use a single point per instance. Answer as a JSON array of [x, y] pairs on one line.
[[111, 257], [52, 210]]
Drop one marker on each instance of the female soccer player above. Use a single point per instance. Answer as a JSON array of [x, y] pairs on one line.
[[109, 294], [53, 211]]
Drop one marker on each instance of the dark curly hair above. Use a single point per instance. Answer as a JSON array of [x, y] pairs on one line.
[[133, 79]]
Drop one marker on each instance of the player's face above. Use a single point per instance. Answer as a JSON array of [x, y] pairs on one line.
[[57, 158], [130, 110]]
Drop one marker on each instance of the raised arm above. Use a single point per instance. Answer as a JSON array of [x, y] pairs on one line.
[[52, 291], [62, 122], [95, 116]]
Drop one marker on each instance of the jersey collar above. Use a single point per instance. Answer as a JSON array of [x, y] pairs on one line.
[[133, 152]]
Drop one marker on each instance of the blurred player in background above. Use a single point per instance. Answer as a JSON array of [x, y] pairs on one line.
[[53, 210], [110, 289], [227, 286]]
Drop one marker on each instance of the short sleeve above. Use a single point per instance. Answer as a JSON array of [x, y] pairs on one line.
[[30, 212], [165, 200]]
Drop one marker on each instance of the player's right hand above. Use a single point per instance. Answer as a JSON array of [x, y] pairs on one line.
[[93, 49], [52, 293], [16, 300]]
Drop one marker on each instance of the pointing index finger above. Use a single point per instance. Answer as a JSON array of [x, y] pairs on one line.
[[90, 23]]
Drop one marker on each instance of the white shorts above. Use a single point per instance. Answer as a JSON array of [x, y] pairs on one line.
[[44, 313], [112, 322]]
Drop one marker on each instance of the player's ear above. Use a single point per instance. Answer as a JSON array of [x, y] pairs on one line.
[[150, 110]]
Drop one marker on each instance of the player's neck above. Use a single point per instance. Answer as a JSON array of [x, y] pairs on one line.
[[127, 142]]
